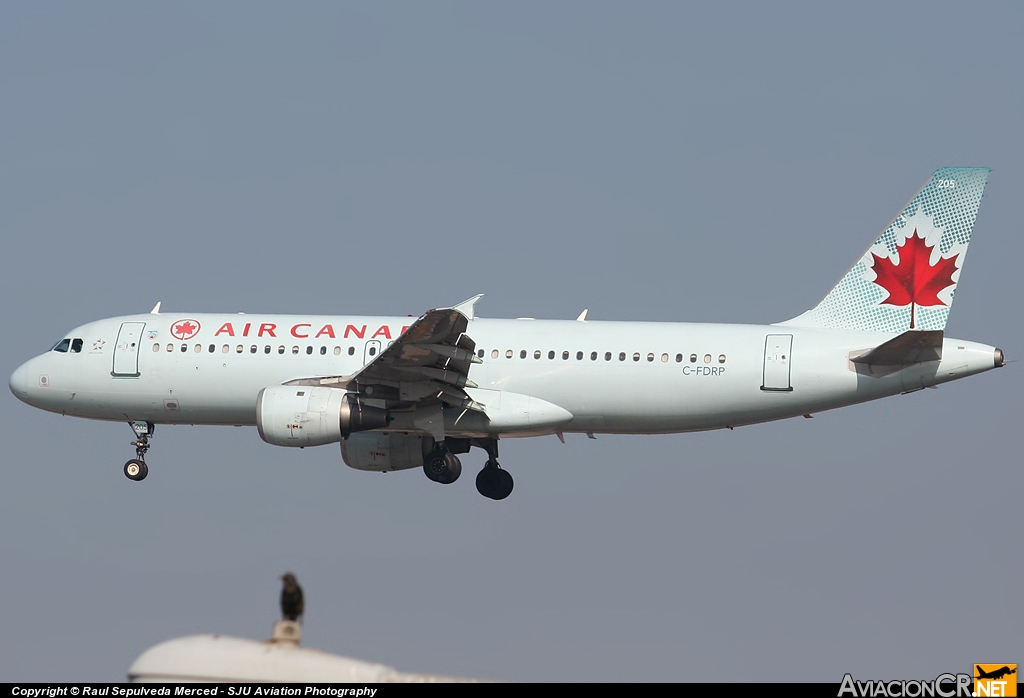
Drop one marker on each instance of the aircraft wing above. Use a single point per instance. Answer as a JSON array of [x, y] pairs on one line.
[[428, 363]]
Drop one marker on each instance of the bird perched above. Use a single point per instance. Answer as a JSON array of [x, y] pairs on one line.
[[292, 603]]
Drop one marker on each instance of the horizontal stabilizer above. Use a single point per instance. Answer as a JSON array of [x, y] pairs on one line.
[[911, 347]]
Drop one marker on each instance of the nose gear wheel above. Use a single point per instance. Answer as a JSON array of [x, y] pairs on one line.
[[136, 469]]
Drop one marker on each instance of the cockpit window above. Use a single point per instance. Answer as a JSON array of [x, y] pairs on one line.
[[76, 345], [62, 346]]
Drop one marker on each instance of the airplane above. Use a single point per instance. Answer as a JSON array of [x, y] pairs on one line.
[[994, 674], [400, 394]]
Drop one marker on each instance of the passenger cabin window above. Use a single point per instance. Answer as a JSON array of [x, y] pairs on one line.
[[199, 348], [593, 356], [480, 353], [522, 354], [607, 356], [508, 354], [225, 349], [373, 351], [707, 358], [253, 349], [213, 347], [62, 346], [551, 355], [622, 356], [565, 356], [679, 358], [184, 348], [295, 351], [664, 358], [76, 346], [239, 349], [170, 348], [693, 358], [323, 350], [337, 351], [579, 356], [156, 347], [266, 349], [721, 358], [280, 349], [309, 350], [636, 356], [351, 351], [650, 357], [494, 353]]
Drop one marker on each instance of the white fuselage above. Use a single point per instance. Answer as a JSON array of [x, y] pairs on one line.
[[612, 377]]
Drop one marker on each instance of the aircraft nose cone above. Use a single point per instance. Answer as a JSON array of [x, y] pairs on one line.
[[19, 382]]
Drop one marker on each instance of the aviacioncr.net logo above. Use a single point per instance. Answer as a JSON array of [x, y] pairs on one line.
[[943, 686]]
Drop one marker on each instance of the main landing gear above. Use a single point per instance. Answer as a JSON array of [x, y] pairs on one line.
[[442, 465], [136, 469], [492, 482]]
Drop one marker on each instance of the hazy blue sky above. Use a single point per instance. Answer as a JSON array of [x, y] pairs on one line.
[[655, 161]]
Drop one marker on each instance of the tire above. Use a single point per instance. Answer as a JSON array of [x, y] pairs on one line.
[[443, 467], [505, 485], [487, 482], [136, 470], [454, 468]]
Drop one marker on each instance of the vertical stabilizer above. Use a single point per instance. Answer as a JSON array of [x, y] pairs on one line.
[[907, 278]]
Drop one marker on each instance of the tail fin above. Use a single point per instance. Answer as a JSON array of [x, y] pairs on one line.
[[907, 278]]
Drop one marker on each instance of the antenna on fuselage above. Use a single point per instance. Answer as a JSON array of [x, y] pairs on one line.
[[583, 316], [156, 309]]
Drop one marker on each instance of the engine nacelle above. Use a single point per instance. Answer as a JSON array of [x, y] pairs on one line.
[[312, 416], [384, 452]]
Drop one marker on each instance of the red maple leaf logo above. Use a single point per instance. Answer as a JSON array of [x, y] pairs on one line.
[[912, 280], [186, 329]]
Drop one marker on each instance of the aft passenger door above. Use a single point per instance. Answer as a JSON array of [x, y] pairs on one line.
[[777, 360], [126, 350]]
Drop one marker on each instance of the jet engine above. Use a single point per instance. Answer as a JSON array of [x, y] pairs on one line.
[[384, 452], [312, 416]]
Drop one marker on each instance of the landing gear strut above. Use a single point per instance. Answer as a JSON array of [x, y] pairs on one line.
[[493, 482], [136, 469], [442, 465]]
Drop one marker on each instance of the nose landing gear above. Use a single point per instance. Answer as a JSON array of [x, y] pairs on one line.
[[136, 469]]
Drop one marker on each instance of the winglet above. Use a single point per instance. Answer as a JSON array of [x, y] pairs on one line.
[[466, 306], [583, 316], [156, 309]]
